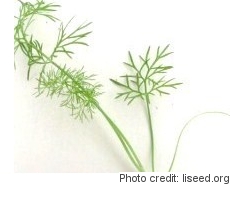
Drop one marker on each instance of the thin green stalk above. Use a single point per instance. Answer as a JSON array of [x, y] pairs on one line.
[[125, 143], [151, 133], [179, 138]]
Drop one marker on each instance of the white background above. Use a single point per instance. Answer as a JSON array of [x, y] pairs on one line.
[[48, 140]]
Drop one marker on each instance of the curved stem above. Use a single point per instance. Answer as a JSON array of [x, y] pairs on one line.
[[179, 138], [125, 143]]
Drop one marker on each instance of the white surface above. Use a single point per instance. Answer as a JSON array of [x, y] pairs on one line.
[[47, 139]]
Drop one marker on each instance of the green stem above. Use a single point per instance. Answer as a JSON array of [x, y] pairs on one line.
[[179, 138], [125, 143], [151, 133]]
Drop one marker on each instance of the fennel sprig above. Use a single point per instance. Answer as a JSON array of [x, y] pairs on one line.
[[147, 79], [78, 90]]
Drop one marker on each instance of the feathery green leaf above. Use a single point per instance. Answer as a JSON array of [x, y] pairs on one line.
[[146, 79]]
